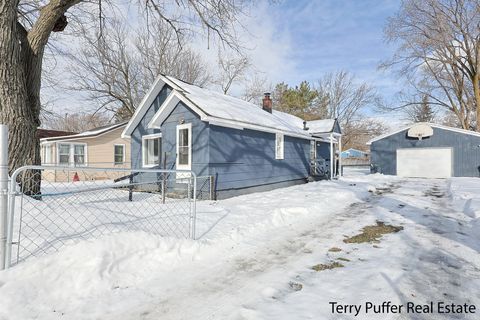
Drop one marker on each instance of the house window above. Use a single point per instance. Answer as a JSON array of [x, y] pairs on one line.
[[72, 154], [64, 154], [119, 153], [279, 141], [152, 149], [47, 154], [79, 154]]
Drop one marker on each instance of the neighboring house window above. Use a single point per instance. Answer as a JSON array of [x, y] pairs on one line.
[[71, 154], [151, 149], [279, 141], [47, 154], [119, 153], [79, 154], [64, 154]]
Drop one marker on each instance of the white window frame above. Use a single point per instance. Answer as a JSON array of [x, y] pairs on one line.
[[47, 154], [84, 154], [123, 156], [144, 149], [279, 146], [184, 166], [71, 158]]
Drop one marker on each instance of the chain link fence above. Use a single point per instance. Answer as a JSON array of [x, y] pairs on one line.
[[46, 213]]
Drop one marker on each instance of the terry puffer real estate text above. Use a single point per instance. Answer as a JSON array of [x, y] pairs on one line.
[[388, 307]]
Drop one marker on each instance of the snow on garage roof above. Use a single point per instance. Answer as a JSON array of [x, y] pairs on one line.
[[433, 125], [215, 108]]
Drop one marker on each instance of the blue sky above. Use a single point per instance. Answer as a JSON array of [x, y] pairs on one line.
[[330, 35]]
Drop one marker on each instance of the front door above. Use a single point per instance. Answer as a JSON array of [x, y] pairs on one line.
[[184, 149]]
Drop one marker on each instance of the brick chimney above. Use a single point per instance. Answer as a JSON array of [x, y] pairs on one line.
[[267, 102]]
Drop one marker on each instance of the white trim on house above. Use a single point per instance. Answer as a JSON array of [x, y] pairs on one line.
[[242, 125], [71, 156], [167, 107], [150, 137], [142, 108], [434, 125], [279, 146], [177, 164], [123, 145]]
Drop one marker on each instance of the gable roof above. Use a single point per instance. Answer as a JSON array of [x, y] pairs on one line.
[[433, 125], [87, 134], [215, 108]]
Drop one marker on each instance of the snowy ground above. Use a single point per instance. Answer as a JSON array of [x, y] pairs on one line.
[[256, 251]]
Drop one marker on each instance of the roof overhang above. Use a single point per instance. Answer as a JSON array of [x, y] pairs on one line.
[[81, 136]]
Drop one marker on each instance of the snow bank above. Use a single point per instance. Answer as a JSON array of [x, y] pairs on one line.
[[465, 194]]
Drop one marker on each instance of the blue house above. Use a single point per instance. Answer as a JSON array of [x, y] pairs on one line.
[[246, 147], [354, 153]]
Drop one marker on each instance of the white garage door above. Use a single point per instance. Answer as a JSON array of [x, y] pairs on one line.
[[424, 162]]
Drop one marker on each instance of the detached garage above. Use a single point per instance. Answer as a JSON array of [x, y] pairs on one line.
[[427, 150]]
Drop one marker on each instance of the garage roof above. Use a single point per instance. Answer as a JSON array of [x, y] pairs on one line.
[[433, 125]]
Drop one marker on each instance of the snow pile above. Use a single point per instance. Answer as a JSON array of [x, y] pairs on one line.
[[465, 194]]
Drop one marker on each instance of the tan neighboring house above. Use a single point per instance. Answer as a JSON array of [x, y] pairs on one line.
[[98, 148]]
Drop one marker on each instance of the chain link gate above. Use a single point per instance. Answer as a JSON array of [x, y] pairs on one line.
[[50, 207]]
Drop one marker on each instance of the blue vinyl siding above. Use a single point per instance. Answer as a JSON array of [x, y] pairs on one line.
[[200, 138], [466, 153], [246, 158], [142, 129]]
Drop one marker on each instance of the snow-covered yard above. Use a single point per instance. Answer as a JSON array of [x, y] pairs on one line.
[[255, 254]]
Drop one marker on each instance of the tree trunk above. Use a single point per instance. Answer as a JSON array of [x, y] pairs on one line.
[[476, 91], [19, 103]]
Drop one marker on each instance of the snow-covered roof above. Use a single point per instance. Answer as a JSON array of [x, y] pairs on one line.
[[321, 126], [433, 125], [215, 108], [88, 134], [223, 107]]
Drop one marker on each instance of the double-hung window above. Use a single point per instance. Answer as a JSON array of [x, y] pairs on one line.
[[72, 154], [64, 154], [78, 154], [279, 150], [119, 153], [151, 150]]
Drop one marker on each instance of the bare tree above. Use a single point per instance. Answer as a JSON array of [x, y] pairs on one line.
[[346, 99], [255, 87], [25, 30], [357, 133], [76, 122], [232, 68], [439, 54], [116, 73]]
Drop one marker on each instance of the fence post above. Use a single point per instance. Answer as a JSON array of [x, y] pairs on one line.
[[3, 193]]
